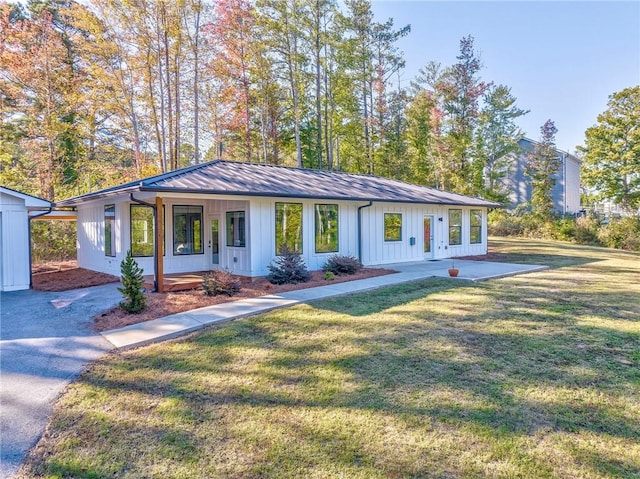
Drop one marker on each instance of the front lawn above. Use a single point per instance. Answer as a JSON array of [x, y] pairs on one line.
[[531, 376]]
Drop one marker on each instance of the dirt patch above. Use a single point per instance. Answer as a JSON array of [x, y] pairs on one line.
[[164, 304], [65, 275]]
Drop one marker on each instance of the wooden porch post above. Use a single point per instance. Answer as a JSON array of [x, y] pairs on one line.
[[159, 257]]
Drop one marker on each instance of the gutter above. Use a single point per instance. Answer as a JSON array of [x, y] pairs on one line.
[[360, 208], [156, 246], [29, 218]]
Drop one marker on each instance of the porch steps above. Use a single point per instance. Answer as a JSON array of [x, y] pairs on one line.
[[176, 282]]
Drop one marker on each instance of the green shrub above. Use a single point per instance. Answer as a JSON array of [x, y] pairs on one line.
[[288, 268], [586, 231], [621, 233], [329, 276], [342, 264], [132, 281], [220, 282]]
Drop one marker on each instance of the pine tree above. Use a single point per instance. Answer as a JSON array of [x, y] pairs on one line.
[[542, 164], [132, 281]]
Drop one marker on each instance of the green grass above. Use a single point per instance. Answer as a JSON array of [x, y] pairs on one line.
[[532, 376]]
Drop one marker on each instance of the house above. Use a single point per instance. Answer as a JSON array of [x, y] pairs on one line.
[[15, 243], [237, 216], [566, 191]]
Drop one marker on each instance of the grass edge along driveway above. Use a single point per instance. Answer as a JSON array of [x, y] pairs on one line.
[[530, 376]]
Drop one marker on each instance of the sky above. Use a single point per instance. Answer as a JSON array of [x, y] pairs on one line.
[[562, 60]]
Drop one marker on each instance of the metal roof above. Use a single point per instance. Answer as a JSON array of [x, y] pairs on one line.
[[222, 177]]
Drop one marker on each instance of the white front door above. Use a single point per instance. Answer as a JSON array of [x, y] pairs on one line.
[[428, 237], [214, 241]]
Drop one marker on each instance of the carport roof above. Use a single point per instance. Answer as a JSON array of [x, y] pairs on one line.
[[222, 177]]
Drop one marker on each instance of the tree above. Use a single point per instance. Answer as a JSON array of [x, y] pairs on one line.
[[541, 166], [462, 91], [132, 282], [611, 155], [497, 135]]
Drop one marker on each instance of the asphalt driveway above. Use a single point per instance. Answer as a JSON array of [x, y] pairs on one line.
[[45, 342]]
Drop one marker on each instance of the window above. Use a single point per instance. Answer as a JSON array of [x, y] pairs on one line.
[[326, 228], [109, 230], [455, 227], [475, 226], [236, 229], [187, 230], [393, 227], [141, 230], [289, 227]]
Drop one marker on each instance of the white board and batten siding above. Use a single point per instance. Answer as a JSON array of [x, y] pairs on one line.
[[91, 237], [15, 267], [261, 233], [377, 251]]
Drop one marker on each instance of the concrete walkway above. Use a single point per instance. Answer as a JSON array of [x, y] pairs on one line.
[[182, 323]]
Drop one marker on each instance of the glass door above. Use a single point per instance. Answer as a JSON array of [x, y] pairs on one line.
[[214, 241], [428, 236]]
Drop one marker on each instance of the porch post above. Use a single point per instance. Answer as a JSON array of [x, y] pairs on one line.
[[159, 250]]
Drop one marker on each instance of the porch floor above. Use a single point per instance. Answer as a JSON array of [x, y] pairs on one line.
[[177, 281]]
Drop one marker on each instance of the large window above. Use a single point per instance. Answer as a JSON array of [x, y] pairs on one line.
[[455, 227], [141, 230], [289, 227], [326, 228], [393, 227], [109, 230], [475, 226], [187, 230], [236, 229]]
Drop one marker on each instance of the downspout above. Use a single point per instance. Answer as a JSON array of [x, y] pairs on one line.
[[29, 239], [360, 208], [156, 246]]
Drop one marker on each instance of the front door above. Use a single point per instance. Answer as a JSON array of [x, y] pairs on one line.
[[214, 241], [428, 237]]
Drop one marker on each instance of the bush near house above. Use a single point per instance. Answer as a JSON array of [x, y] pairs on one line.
[[619, 233], [220, 282], [132, 281], [342, 264], [289, 267]]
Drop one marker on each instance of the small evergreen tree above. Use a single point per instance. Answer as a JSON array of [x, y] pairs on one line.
[[132, 281]]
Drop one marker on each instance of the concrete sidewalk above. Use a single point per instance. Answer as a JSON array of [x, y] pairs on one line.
[[182, 323]]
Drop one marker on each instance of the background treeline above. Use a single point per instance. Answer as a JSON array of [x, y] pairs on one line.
[[98, 93]]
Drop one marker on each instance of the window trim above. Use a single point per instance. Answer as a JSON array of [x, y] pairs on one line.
[[244, 229], [457, 227], [173, 218], [275, 231], [315, 228], [472, 226], [389, 239], [111, 220]]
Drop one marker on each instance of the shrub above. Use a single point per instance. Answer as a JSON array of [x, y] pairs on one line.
[[289, 267], [329, 276], [341, 264], [586, 231], [132, 281], [220, 282], [621, 233]]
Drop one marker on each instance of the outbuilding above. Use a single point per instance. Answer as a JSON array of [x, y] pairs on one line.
[[239, 216], [15, 247]]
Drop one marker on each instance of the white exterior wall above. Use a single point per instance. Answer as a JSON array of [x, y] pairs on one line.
[[91, 237], [377, 251], [260, 249], [14, 244], [262, 233]]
